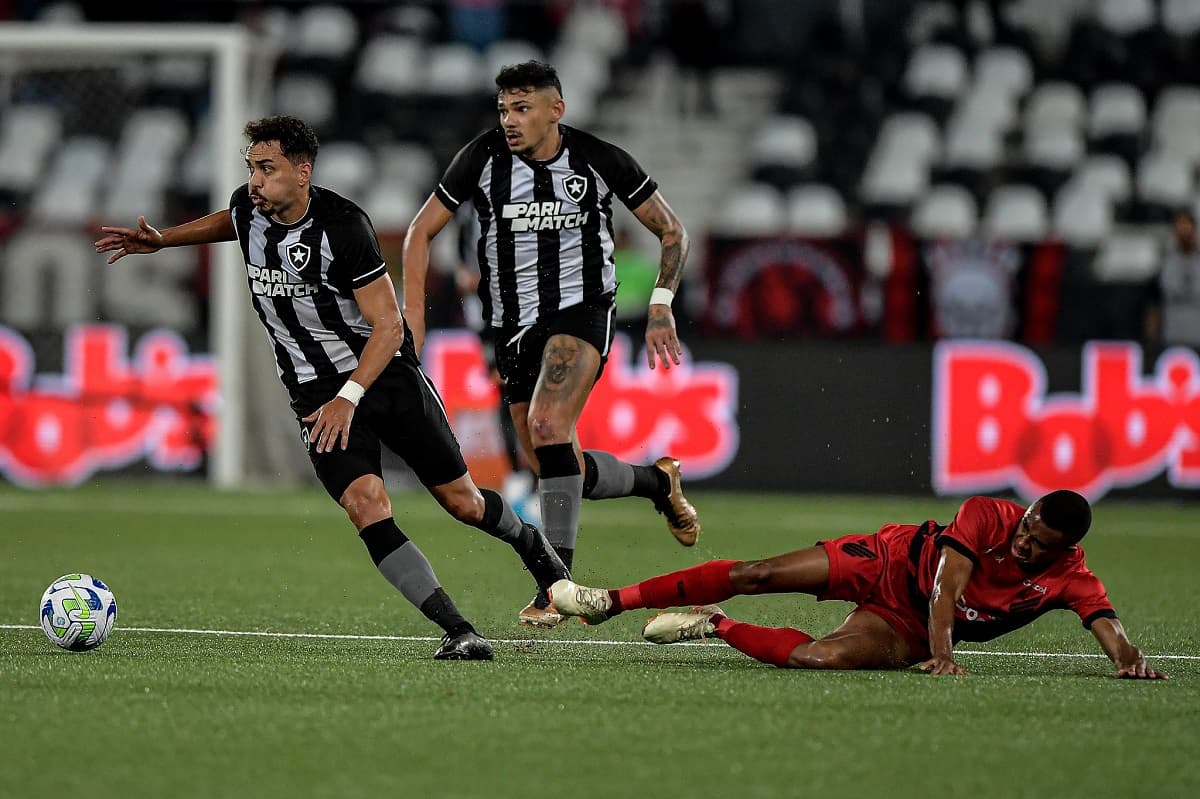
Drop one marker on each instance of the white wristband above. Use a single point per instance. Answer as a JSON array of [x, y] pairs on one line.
[[661, 296], [352, 391]]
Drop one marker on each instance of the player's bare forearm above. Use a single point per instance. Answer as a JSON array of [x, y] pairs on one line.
[[215, 227], [1125, 656], [377, 302], [949, 583], [660, 220], [428, 222]]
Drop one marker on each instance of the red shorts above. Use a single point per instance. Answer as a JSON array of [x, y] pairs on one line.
[[872, 572]]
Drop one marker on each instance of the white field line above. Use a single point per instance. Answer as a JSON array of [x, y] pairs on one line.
[[519, 641]]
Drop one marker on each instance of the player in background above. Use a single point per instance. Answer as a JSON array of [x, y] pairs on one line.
[[544, 192], [919, 589], [321, 289], [520, 484]]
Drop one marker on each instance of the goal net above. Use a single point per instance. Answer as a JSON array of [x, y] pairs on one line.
[[151, 365]]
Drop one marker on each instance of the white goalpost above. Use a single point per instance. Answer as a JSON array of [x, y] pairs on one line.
[[226, 50]]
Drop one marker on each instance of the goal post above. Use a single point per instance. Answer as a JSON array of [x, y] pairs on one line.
[[227, 50]]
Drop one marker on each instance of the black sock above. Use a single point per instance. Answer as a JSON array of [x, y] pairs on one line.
[[650, 482], [566, 554], [439, 608], [560, 489]]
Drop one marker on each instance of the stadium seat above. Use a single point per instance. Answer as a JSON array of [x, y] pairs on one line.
[[1006, 70], [816, 210], [1015, 212], [1175, 120], [597, 27], [912, 133], [1116, 109], [974, 147], [1124, 17], [1131, 256], [406, 164], [1055, 104], [456, 69], [309, 96], [1181, 17], [784, 147], [936, 70], [893, 178], [945, 212], [391, 206], [1164, 181], [346, 167], [1056, 149], [392, 65], [1083, 215], [324, 31], [1106, 175], [985, 106], [751, 209], [29, 133]]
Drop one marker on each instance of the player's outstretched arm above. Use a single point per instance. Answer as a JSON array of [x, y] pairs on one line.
[[145, 238], [428, 222], [661, 337], [1128, 658], [949, 583]]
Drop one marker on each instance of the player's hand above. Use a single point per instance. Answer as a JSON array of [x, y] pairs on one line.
[[661, 338], [938, 666], [331, 422], [1140, 671], [144, 238]]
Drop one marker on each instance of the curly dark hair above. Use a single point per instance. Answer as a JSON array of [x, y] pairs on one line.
[[528, 75], [1067, 512], [297, 140]]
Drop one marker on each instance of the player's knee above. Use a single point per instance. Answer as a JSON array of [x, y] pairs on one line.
[[547, 428], [366, 502], [813, 655], [751, 576]]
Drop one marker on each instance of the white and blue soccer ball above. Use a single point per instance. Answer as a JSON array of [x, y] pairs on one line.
[[78, 612]]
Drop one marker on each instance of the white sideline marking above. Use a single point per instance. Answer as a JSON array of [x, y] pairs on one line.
[[576, 642]]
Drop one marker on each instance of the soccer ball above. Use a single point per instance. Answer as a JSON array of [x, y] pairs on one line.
[[78, 612]]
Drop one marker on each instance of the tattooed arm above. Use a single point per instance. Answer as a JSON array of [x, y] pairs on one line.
[[661, 336]]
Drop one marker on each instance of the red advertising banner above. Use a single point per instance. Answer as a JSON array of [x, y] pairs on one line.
[[995, 427], [637, 414], [106, 409]]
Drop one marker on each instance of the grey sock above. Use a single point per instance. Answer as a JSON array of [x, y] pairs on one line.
[[409, 570], [610, 478], [560, 499]]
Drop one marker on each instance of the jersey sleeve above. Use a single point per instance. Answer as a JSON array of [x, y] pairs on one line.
[[462, 176], [623, 174], [1086, 596], [970, 532], [357, 258]]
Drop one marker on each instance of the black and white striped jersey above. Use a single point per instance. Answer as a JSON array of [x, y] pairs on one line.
[[546, 234], [302, 279]]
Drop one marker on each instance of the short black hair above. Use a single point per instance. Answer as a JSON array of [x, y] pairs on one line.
[[297, 140], [528, 75], [1067, 512]]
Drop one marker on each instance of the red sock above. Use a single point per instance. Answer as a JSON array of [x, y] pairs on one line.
[[699, 585], [768, 644]]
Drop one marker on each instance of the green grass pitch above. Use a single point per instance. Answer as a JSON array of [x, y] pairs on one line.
[[575, 712]]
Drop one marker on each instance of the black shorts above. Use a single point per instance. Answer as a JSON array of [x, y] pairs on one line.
[[402, 410], [519, 349]]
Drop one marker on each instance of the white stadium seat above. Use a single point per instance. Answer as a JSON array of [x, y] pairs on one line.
[[977, 147], [68, 195], [456, 70], [1050, 148], [1083, 216], [1106, 175], [324, 31], [1015, 212], [406, 163], [816, 210], [1166, 179], [1054, 104], [1127, 257], [947, 211], [1116, 109], [29, 133], [936, 70], [346, 167], [1181, 17], [391, 207], [751, 209], [309, 96], [1124, 17], [393, 65], [1005, 69], [784, 141], [507, 52]]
